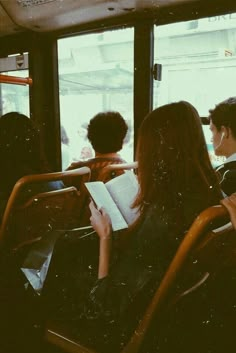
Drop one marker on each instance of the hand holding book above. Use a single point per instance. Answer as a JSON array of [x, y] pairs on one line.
[[116, 196], [102, 225], [100, 221]]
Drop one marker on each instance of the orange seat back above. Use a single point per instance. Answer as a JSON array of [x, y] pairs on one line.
[[15, 209]]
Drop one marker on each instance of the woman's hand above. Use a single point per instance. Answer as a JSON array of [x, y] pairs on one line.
[[100, 221], [230, 203], [102, 225]]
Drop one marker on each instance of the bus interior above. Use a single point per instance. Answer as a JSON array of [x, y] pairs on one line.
[[129, 56], [63, 61]]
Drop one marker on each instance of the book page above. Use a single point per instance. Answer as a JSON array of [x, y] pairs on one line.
[[102, 198], [123, 190]]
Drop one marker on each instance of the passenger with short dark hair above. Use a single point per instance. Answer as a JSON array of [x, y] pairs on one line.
[[20, 155], [106, 132], [223, 128], [103, 300]]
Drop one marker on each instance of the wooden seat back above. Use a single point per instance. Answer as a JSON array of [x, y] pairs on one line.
[[52, 210], [96, 166], [113, 170], [165, 294], [16, 208]]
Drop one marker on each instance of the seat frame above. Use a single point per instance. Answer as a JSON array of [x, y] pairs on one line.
[[113, 170], [13, 200]]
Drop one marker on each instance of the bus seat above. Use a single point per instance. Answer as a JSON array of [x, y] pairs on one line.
[[47, 211], [60, 197], [113, 170], [166, 293], [97, 166]]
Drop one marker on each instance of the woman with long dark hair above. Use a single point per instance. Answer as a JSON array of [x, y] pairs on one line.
[[177, 182]]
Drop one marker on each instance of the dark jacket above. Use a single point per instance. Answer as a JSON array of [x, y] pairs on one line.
[[227, 177]]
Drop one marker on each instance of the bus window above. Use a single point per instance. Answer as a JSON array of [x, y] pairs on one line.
[[95, 75], [14, 97], [198, 61]]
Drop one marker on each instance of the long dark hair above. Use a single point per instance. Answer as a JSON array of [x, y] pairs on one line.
[[20, 152], [173, 158]]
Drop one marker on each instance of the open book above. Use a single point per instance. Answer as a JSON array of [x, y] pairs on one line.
[[116, 196]]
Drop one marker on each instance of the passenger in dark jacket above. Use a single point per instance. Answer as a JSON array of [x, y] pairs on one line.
[[101, 297], [223, 127], [227, 176]]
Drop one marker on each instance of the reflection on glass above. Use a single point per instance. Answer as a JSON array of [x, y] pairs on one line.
[[95, 75], [198, 61], [14, 97]]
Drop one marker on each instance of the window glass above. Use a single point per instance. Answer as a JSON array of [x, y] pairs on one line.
[[95, 75], [198, 61], [14, 97]]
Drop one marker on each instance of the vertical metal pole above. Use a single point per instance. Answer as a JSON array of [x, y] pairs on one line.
[[44, 96], [143, 78]]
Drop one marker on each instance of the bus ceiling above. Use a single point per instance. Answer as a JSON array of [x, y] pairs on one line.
[[56, 15]]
